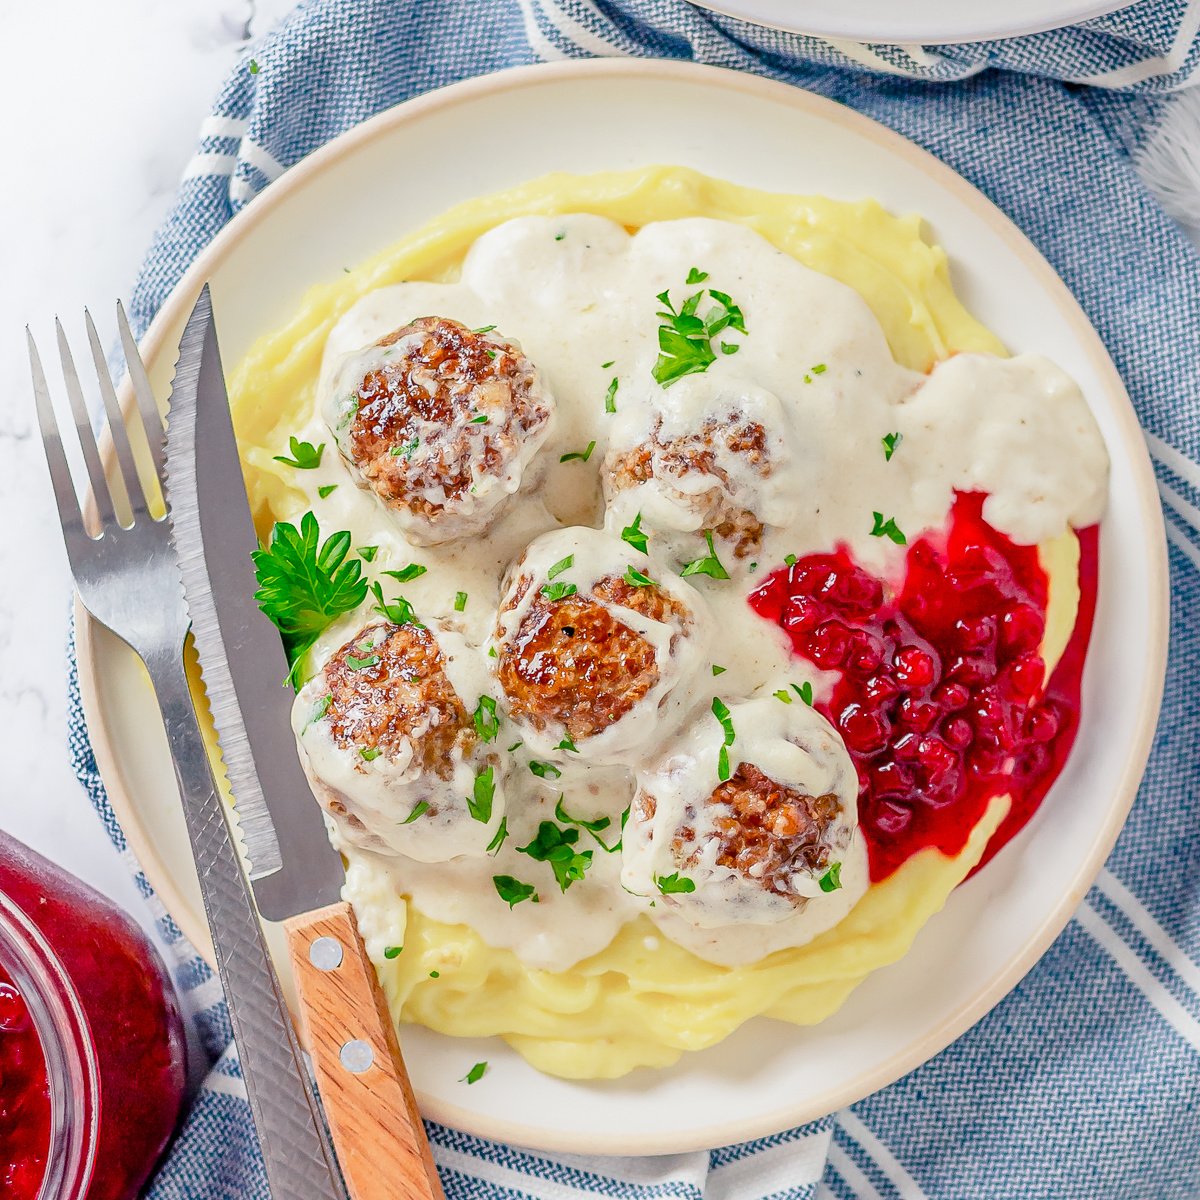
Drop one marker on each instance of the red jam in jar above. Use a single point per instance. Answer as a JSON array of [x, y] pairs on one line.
[[940, 695], [92, 1055]]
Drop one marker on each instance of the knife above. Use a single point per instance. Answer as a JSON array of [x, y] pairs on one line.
[[296, 874]]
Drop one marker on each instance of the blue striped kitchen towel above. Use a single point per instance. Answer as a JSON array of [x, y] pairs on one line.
[[1085, 1082]]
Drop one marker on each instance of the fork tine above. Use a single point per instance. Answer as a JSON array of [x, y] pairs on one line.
[[127, 468], [151, 418], [83, 428], [69, 514]]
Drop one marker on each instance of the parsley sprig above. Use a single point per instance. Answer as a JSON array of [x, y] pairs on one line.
[[720, 710], [668, 884], [709, 564], [595, 827], [888, 529], [634, 535], [305, 456], [513, 891], [304, 585], [685, 339], [557, 847]]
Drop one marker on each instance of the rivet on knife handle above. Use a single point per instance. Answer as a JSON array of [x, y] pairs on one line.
[[364, 1086]]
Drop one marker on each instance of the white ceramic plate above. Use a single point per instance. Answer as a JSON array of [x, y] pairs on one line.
[[915, 22], [355, 197]]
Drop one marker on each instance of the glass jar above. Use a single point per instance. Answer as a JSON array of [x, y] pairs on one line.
[[92, 1054]]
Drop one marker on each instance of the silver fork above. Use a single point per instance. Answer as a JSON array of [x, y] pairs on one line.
[[128, 578]]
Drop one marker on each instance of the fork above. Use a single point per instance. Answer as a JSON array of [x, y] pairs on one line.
[[127, 576]]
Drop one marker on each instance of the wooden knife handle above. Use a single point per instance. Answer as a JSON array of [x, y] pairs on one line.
[[377, 1130]]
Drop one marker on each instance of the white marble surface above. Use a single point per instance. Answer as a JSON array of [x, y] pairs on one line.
[[102, 103]]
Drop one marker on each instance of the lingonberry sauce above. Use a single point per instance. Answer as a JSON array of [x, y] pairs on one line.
[[24, 1097], [939, 694]]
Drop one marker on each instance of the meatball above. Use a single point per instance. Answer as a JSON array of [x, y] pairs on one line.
[[440, 422], [596, 646], [391, 749], [699, 456], [768, 856]]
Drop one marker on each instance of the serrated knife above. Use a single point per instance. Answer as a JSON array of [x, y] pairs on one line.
[[295, 873]]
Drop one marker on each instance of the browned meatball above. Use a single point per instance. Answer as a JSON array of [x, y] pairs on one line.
[[388, 691], [571, 662], [594, 644], [440, 422], [670, 461], [391, 749]]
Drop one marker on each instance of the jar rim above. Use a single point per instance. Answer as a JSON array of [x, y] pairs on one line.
[[64, 1031]]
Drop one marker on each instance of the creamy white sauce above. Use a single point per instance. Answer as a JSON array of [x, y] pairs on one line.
[[578, 293]]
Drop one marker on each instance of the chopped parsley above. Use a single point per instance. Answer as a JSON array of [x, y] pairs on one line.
[[558, 237], [568, 745], [479, 420], [460, 601], [594, 827], [475, 1074], [790, 560], [804, 691], [890, 442], [392, 952], [832, 879], [408, 574], [558, 591], [709, 565], [783, 695], [819, 369], [419, 809], [667, 884], [515, 746], [326, 490], [721, 711], [563, 564], [322, 708], [695, 275], [368, 552], [637, 579], [479, 803], [501, 837], [406, 451], [304, 585], [513, 891], [557, 847], [685, 338], [888, 529], [369, 753], [605, 366], [580, 455], [487, 722], [610, 397], [361, 664], [544, 770], [253, 67], [435, 974], [634, 536], [484, 329], [730, 347], [398, 611], [718, 670]]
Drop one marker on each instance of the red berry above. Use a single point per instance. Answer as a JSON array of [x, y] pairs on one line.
[[863, 731], [958, 732], [951, 696], [864, 652], [1042, 724], [1026, 675], [975, 633], [913, 667], [802, 614], [827, 645], [917, 714], [1021, 628]]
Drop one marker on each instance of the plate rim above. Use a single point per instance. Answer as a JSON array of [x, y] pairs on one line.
[[468, 91], [903, 34]]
